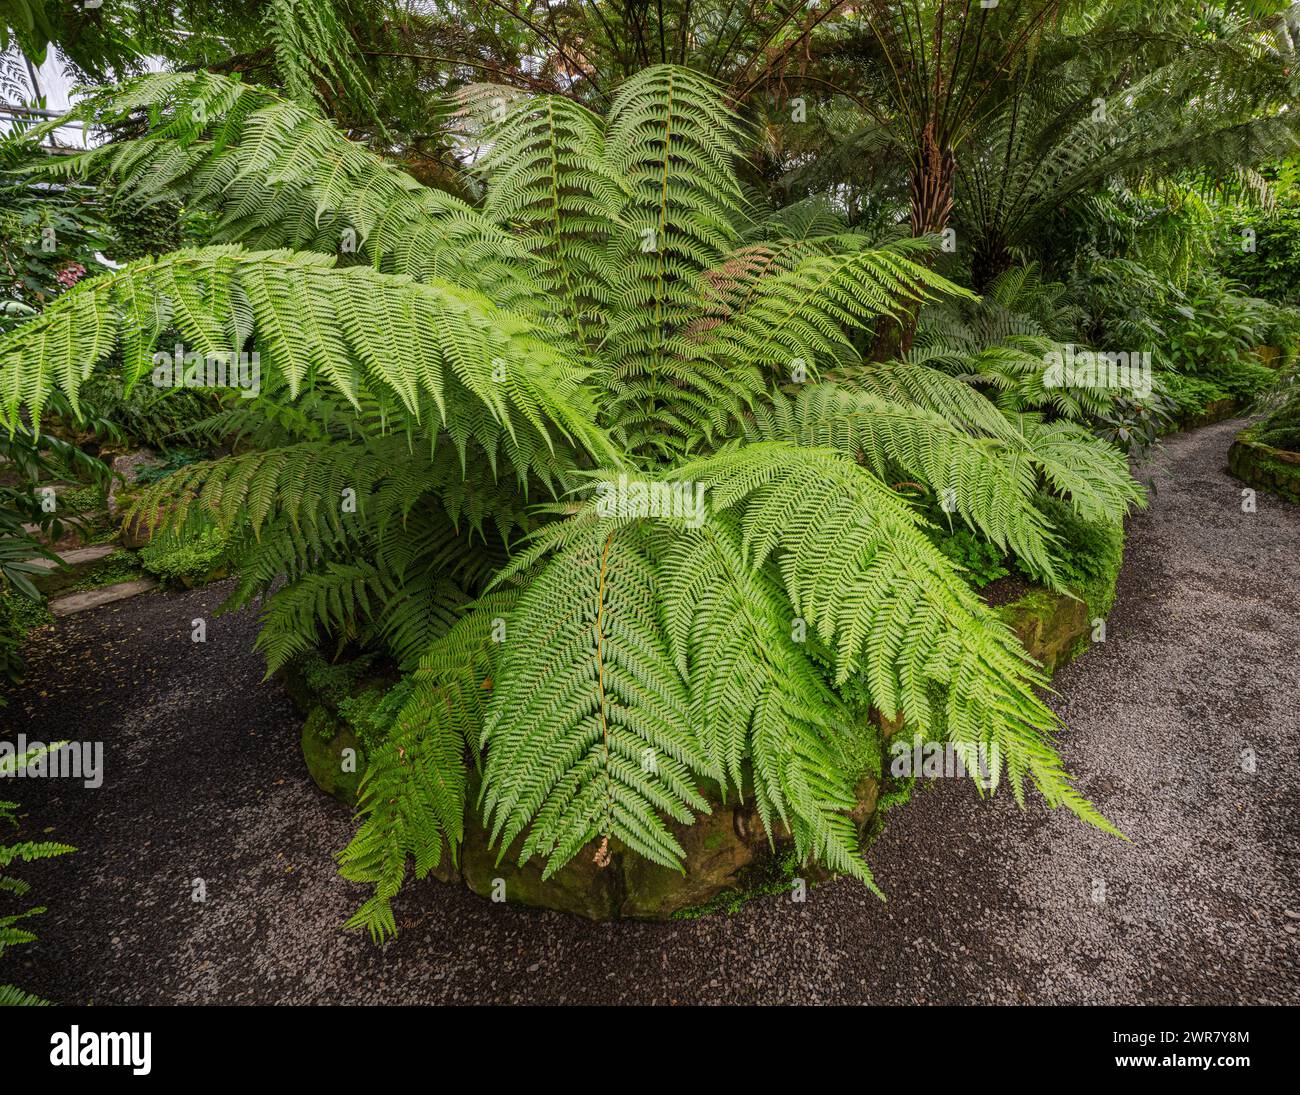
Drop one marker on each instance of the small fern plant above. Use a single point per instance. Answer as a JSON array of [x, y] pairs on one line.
[[465, 410], [13, 933]]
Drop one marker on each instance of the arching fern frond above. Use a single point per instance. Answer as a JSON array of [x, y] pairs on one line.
[[757, 698], [412, 795], [804, 314], [1090, 474], [857, 568], [991, 485], [279, 175], [588, 733], [490, 374]]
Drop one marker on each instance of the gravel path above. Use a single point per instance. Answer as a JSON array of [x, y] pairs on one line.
[[986, 904]]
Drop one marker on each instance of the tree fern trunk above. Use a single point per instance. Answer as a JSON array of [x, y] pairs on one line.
[[931, 190], [989, 258]]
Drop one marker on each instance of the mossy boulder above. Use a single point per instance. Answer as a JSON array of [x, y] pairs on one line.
[[1049, 625], [333, 754], [589, 885], [724, 849], [1215, 411], [338, 700], [1265, 467], [719, 846]]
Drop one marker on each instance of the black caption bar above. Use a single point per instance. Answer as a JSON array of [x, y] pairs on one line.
[[139, 1044]]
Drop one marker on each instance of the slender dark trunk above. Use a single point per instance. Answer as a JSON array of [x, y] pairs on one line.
[[990, 258], [931, 191]]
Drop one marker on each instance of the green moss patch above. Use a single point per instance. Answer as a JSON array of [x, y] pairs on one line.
[[19, 616], [121, 566], [334, 756], [187, 562]]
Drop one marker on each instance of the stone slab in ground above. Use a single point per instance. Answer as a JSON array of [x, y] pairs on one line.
[[93, 598], [77, 557]]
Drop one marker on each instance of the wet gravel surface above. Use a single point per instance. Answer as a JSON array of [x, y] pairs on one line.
[[1200, 669]]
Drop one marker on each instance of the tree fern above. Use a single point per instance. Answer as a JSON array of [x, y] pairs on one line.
[[615, 306]]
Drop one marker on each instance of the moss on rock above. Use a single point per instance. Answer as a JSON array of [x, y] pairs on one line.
[[583, 886], [1263, 466], [1048, 624], [189, 562], [333, 754]]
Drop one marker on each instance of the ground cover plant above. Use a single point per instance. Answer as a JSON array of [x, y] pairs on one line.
[[15, 927]]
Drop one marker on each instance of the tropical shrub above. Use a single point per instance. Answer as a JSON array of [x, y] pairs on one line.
[[1191, 395], [483, 438], [1280, 434], [149, 417], [48, 234], [1263, 251], [1206, 331]]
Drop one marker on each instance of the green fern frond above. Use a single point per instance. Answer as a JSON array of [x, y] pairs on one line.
[[28, 851], [756, 697], [803, 314], [278, 175], [1090, 474], [588, 733], [349, 328], [412, 795], [547, 175], [314, 50], [13, 997], [857, 567], [991, 485]]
